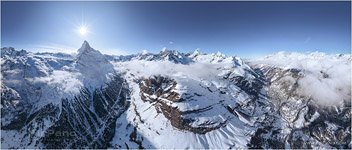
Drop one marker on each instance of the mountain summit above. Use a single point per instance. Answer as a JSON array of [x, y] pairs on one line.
[[92, 64], [89, 56], [85, 45], [87, 50]]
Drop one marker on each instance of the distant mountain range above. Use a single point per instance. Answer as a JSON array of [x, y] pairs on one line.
[[174, 100]]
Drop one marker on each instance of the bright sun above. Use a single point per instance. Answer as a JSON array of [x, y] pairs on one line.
[[83, 30]]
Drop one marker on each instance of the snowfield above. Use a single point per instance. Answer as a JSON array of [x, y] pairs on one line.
[[192, 78]]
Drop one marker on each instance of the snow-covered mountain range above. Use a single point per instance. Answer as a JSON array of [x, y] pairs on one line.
[[174, 100]]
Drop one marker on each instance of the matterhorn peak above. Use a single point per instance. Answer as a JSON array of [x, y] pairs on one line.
[[93, 65], [87, 53], [85, 48], [85, 44]]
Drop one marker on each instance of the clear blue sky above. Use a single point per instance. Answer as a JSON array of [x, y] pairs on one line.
[[246, 29]]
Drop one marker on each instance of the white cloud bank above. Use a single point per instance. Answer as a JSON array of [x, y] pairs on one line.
[[327, 78]]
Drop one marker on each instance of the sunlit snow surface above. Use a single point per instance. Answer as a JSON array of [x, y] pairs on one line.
[[48, 78], [192, 78], [207, 71]]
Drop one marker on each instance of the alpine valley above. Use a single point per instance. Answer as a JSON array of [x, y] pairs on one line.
[[173, 100]]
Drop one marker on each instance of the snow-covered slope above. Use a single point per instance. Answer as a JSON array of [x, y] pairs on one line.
[[42, 93], [207, 108], [312, 93], [174, 100]]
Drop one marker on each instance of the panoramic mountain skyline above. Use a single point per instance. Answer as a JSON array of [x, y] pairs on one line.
[[246, 29], [174, 100], [194, 75]]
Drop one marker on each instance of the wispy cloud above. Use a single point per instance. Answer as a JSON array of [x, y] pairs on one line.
[[307, 40], [144, 51], [53, 47], [115, 52]]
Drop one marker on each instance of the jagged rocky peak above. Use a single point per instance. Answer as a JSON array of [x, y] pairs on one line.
[[93, 65], [10, 51], [88, 56], [7, 50], [166, 52], [87, 50], [174, 56], [195, 53], [85, 46], [219, 54]]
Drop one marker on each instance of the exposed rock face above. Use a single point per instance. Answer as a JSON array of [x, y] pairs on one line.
[[308, 123], [12, 107], [161, 91], [251, 86], [161, 87], [11, 52], [174, 56], [89, 119], [41, 110]]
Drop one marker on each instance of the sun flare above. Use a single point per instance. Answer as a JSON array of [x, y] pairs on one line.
[[83, 30]]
